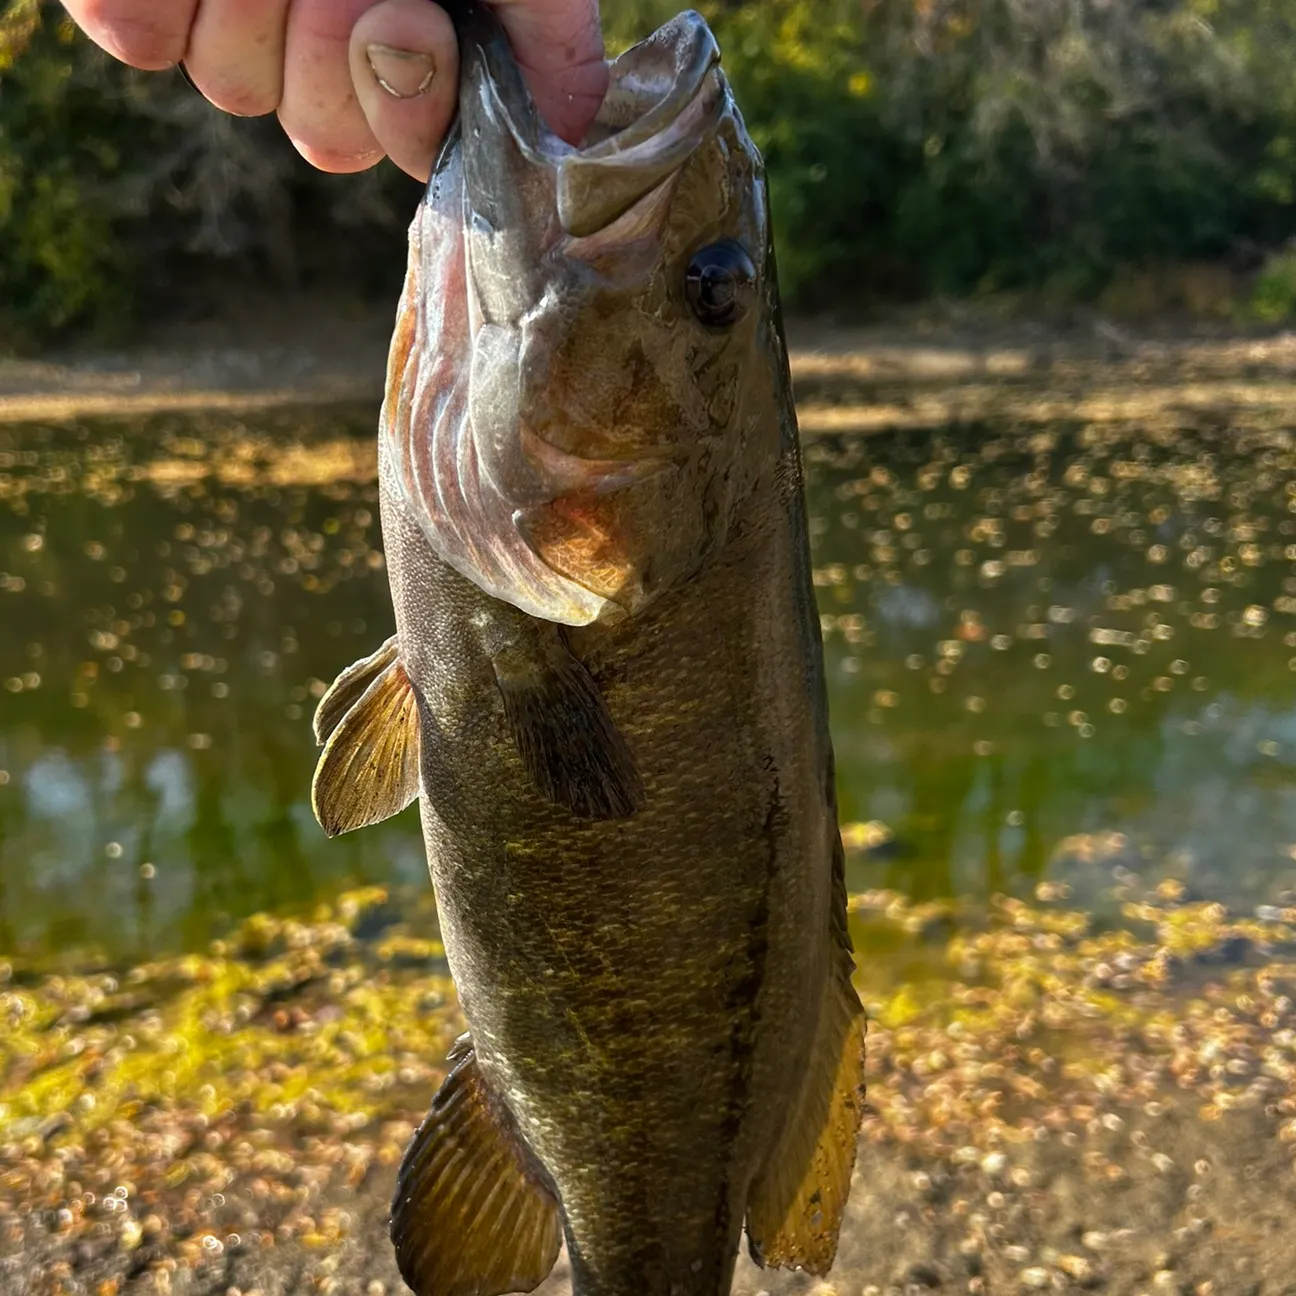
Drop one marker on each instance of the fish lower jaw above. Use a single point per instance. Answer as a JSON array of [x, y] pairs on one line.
[[566, 473]]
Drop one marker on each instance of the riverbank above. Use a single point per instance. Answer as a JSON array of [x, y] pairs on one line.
[[922, 369], [1051, 1105], [1058, 1100]]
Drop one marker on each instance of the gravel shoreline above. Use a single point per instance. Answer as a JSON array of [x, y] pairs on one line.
[[1051, 1106], [917, 370]]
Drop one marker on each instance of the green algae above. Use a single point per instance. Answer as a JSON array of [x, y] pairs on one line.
[[240, 1098], [1028, 1003], [301, 1021], [287, 1018]]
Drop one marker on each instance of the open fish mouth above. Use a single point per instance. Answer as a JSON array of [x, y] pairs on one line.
[[647, 128], [528, 195], [520, 480], [664, 101]]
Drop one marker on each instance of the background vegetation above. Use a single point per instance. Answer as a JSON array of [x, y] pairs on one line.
[[1136, 153]]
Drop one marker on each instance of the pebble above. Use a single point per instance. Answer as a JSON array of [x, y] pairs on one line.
[[1076, 1267]]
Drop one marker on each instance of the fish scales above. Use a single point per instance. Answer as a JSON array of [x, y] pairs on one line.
[[607, 661]]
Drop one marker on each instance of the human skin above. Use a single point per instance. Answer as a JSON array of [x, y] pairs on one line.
[[353, 81]]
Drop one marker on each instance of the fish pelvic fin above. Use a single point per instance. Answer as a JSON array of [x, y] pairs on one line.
[[368, 723], [796, 1203], [565, 735], [472, 1215]]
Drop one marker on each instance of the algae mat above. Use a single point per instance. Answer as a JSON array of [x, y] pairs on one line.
[[1049, 1103]]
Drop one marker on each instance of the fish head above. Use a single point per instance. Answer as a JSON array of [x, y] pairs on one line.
[[620, 320]]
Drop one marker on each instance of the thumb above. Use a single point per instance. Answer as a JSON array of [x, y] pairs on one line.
[[559, 45]]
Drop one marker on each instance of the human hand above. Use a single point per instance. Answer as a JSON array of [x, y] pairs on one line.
[[352, 80]]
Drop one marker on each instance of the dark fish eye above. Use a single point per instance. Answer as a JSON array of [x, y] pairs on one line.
[[719, 283]]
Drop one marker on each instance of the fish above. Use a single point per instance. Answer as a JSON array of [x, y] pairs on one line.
[[606, 693]]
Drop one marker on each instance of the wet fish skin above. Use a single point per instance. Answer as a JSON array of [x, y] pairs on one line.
[[594, 524]]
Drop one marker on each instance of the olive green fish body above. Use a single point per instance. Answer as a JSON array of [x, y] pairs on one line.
[[606, 692], [643, 991]]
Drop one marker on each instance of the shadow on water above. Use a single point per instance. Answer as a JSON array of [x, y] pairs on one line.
[[1047, 651]]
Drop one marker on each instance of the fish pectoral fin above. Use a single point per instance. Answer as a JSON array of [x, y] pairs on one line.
[[567, 739], [472, 1215], [369, 768], [347, 689], [796, 1203]]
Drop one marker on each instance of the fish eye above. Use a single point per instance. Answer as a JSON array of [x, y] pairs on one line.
[[719, 283]]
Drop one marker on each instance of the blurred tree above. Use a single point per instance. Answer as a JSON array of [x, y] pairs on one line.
[[117, 187], [913, 147], [947, 146]]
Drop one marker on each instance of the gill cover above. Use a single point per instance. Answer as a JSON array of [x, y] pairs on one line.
[[498, 498]]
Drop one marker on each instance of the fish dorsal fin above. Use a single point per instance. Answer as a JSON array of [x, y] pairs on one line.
[[565, 735], [796, 1203], [346, 690], [369, 769], [471, 1215]]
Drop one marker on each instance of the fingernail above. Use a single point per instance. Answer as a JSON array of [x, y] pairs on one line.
[[402, 73]]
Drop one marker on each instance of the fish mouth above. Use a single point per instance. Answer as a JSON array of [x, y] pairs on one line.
[[563, 518], [528, 193], [665, 99], [564, 473]]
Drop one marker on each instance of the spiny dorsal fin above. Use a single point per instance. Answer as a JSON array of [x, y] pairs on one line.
[[566, 737], [346, 690], [471, 1216], [369, 769], [796, 1204]]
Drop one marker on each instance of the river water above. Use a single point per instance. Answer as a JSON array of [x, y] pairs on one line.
[[1055, 654]]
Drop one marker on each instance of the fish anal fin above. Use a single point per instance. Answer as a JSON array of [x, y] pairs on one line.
[[465, 1156], [349, 687], [796, 1203], [369, 768], [565, 735]]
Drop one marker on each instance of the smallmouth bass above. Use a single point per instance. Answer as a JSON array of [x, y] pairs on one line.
[[606, 692]]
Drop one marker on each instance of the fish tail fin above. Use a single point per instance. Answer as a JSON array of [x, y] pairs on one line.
[[472, 1215]]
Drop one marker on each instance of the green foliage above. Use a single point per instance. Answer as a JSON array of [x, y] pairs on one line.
[[123, 191], [58, 261], [955, 146], [914, 147], [1273, 298]]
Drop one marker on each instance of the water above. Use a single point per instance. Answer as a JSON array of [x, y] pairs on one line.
[[1037, 635], [1053, 654]]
